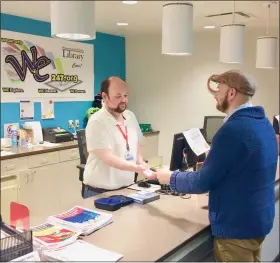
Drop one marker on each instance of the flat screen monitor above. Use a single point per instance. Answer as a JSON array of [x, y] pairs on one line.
[[211, 125], [182, 156], [276, 124]]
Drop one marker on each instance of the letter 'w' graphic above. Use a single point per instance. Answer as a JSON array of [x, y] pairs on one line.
[[34, 66]]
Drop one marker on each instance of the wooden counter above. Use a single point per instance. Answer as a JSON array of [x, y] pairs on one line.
[[27, 151], [38, 149], [148, 232]]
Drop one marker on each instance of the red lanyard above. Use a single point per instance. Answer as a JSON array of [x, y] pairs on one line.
[[125, 135]]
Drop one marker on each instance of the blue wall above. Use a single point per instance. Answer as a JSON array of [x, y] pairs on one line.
[[109, 60]]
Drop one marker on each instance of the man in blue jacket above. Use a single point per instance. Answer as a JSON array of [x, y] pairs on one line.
[[239, 172]]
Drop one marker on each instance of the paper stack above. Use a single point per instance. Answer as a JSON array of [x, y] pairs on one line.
[[82, 220], [32, 257], [49, 236], [81, 251]]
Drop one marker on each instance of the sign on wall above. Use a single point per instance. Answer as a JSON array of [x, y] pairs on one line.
[[36, 68]]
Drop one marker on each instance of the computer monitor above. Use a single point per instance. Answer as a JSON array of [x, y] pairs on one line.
[[183, 156], [276, 124], [211, 125]]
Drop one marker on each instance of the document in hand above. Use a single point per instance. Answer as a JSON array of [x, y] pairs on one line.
[[196, 141], [82, 251], [50, 236], [82, 220]]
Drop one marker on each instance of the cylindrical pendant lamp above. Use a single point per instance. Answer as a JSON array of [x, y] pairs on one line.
[[266, 52], [266, 56], [73, 20], [177, 28], [232, 43]]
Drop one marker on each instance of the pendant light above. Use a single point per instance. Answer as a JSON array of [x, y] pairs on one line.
[[267, 49], [73, 20], [177, 28], [232, 41]]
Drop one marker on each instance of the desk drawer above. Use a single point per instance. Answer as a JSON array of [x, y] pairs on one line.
[[14, 165], [43, 159], [69, 154]]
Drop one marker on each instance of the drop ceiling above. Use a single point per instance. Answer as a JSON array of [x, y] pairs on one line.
[[145, 16]]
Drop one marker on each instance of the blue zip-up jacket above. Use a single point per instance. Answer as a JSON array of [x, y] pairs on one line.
[[239, 173]]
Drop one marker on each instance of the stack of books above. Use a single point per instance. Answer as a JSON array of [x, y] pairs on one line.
[[81, 220], [50, 236]]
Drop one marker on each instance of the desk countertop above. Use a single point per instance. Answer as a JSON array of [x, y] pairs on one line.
[[26, 151], [148, 232]]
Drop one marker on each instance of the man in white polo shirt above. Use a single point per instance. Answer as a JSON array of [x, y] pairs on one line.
[[113, 140]]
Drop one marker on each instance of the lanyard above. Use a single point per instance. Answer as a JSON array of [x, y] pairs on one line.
[[125, 135]]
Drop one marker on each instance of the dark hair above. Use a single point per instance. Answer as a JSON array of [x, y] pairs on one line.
[[105, 86], [97, 102]]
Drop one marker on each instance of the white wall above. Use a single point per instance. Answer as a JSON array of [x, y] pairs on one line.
[[170, 92]]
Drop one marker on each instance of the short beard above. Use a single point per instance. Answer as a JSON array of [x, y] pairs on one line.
[[118, 109], [224, 106]]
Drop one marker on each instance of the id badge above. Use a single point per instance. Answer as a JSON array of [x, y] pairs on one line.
[[129, 156]]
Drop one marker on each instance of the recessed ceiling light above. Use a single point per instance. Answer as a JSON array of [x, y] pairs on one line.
[[122, 24], [130, 2], [209, 27]]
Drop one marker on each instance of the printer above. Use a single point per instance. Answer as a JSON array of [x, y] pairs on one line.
[[57, 135]]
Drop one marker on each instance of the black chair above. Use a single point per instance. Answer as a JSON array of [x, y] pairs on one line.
[[82, 144]]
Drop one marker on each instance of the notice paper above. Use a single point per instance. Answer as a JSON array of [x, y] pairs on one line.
[[26, 110], [83, 251], [47, 109], [196, 141]]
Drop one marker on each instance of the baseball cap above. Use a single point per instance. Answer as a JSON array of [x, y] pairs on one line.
[[242, 82]]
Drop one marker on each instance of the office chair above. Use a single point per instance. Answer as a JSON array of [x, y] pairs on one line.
[[81, 137]]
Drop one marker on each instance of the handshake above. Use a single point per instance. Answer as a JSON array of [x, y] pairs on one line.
[[162, 176], [145, 170]]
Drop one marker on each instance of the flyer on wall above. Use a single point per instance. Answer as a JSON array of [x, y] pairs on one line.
[[36, 68]]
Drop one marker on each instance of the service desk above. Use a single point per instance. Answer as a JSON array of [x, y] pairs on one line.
[[149, 232]]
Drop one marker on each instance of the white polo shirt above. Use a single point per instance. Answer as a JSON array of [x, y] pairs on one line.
[[102, 133]]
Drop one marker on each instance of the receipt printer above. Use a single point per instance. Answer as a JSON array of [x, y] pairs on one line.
[[57, 135]]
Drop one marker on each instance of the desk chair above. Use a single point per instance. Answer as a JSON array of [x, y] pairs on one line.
[[82, 144], [81, 137]]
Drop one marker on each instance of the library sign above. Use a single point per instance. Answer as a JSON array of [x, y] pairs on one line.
[[35, 68]]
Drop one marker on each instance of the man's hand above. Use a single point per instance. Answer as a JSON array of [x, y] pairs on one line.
[[145, 165], [162, 176]]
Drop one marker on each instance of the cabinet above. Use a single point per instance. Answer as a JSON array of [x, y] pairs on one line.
[[46, 183], [39, 190], [150, 146], [9, 193], [70, 186]]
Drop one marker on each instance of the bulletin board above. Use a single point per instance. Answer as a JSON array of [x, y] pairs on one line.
[[36, 68]]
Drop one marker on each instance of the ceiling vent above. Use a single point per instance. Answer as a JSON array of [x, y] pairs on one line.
[[225, 18], [242, 14]]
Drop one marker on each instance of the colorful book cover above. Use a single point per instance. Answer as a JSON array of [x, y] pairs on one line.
[[78, 215], [51, 234]]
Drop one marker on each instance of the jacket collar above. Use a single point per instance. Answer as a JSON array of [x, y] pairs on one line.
[[256, 112]]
